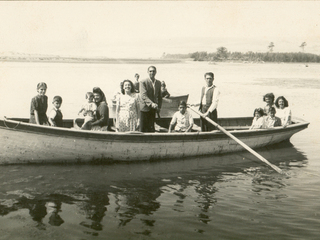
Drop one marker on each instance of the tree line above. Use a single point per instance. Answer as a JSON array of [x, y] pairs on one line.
[[222, 54]]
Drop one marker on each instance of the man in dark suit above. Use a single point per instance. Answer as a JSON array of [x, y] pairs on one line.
[[150, 100], [209, 102]]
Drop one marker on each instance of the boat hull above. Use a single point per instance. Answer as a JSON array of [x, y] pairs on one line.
[[27, 143]]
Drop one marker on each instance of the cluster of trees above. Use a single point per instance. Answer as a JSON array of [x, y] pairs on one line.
[[222, 54]]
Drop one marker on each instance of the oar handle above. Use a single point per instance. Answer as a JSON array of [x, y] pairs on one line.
[[238, 141]]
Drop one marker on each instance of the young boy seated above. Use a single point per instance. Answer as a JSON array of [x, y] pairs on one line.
[[271, 120], [182, 120], [55, 116]]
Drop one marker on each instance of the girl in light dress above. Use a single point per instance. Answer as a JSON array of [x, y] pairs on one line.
[[127, 109], [258, 119], [283, 111]]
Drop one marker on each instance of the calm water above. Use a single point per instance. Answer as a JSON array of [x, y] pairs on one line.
[[232, 196]]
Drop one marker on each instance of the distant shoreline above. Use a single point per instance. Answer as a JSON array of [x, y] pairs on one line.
[[90, 60], [144, 61]]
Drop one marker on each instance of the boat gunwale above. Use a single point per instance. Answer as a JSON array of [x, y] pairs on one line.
[[139, 136]]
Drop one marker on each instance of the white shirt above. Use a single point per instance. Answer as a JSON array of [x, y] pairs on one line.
[[53, 113], [182, 121], [215, 98], [284, 115], [89, 106], [257, 123], [154, 85]]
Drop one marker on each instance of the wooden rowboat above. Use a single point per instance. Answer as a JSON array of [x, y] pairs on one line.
[[21, 142]]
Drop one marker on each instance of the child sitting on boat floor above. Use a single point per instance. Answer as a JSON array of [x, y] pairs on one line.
[[88, 111], [39, 106], [182, 120], [271, 120], [258, 120], [55, 115]]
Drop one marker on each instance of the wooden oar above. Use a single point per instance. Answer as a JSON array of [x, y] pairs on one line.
[[238, 141]]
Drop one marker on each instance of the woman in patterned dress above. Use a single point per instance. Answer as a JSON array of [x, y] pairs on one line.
[[127, 110]]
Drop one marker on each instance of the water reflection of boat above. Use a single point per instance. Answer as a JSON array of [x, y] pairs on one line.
[[22, 142], [135, 193]]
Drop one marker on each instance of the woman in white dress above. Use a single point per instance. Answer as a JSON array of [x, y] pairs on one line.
[[127, 109], [283, 111]]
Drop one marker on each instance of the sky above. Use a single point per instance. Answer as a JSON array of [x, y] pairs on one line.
[[147, 29]]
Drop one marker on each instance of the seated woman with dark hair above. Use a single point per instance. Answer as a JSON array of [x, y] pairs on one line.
[[102, 114], [269, 99], [283, 111], [101, 121], [258, 119]]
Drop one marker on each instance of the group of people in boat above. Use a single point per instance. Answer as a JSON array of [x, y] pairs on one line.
[[95, 111], [138, 102], [274, 114]]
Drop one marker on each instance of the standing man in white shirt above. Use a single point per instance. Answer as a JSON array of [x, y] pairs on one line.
[[209, 102]]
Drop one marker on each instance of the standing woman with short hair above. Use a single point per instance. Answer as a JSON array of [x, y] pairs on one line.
[[39, 106], [269, 99]]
